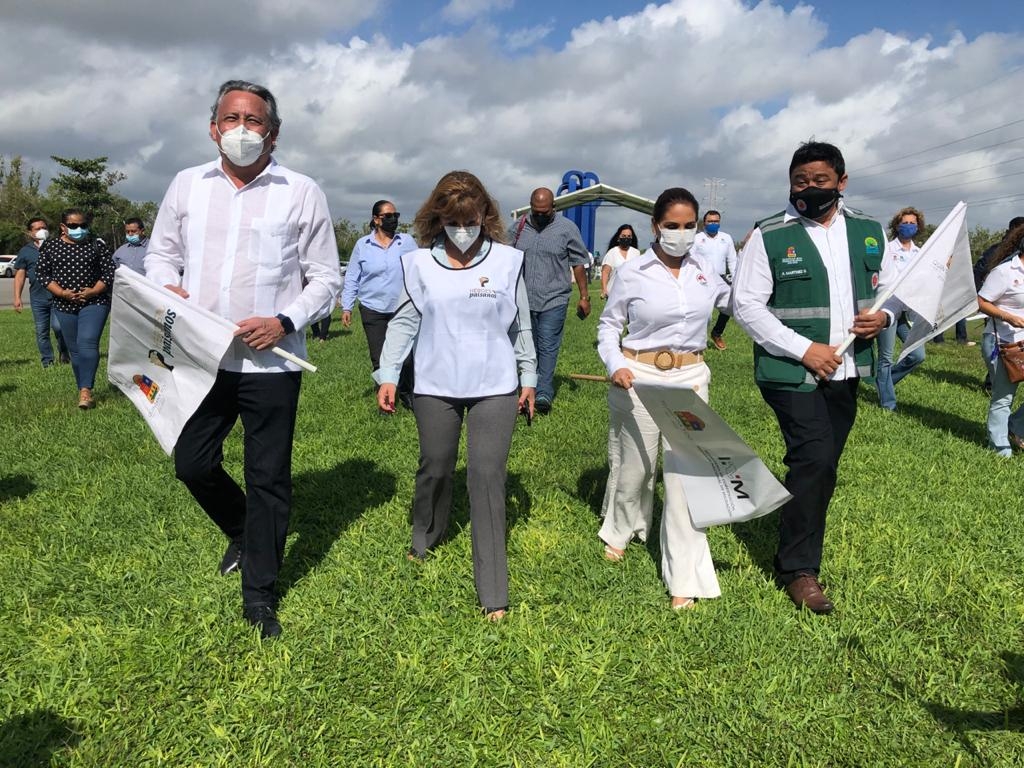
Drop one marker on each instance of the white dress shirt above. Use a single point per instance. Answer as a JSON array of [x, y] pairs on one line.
[[897, 259], [718, 252], [267, 248], [614, 258], [660, 311], [753, 286], [1004, 287]]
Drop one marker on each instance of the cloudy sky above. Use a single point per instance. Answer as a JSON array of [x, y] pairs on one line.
[[381, 97]]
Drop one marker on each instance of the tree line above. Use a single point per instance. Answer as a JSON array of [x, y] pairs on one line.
[[89, 184]]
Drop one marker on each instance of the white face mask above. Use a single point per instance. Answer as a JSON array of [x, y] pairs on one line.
[[41, 234], [677, 242], [241, 146], [462, 237]]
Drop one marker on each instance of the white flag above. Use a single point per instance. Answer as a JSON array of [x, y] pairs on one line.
[[724, 480], [164, 352], [939, 284]]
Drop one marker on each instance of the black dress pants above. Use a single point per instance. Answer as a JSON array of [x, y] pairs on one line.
[[815, 426], [257, 517], [375, 326]]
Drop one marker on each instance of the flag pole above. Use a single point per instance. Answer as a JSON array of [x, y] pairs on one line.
[[303, 364]]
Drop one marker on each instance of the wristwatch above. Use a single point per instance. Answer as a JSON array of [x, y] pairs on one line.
[[286, 323]]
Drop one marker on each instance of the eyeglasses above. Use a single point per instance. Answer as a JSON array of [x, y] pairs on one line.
[[394, 215], [74, 224]]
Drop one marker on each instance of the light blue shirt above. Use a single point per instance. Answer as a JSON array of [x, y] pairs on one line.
[[405, 325], [132, 256], [374, 274]]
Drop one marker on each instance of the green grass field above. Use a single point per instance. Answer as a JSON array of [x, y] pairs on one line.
[[120, 646]]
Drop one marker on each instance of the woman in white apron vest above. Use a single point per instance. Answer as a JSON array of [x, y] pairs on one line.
[[465, 317], [664, 299]]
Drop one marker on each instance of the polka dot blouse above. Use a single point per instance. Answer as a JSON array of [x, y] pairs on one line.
[[74, 267]]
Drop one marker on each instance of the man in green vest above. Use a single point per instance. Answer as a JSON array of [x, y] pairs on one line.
[[806, 279]]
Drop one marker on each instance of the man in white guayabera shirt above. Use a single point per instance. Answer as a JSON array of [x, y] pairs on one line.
[[253, 242]]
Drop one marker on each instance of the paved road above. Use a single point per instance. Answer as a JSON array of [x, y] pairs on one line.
[[7, 292]]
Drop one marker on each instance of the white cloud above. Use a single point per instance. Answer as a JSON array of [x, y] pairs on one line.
[[666, 96], [527, 37], [460, 11]]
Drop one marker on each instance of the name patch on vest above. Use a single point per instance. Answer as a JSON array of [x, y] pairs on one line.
[[793, 274]]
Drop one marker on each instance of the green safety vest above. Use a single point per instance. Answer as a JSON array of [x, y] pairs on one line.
[[800, 294]]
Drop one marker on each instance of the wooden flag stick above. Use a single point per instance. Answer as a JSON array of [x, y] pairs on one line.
[[588, 377]]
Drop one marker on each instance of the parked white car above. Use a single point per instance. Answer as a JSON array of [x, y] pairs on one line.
[[7, 266]]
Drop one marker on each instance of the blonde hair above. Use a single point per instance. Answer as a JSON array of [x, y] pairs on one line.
[[458, 196]]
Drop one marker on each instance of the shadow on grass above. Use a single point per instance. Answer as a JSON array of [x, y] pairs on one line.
[[590, 487], [31, 739], [1009, 719], [760, 537], [965, 380], [517, 503], [967, 430], [15, 487], [324, 504], [7, 388]]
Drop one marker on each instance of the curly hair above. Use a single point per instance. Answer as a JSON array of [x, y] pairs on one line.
[[895, 222], [458, 196]]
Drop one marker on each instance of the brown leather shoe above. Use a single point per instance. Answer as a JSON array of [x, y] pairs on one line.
[[805, 592], [85, 401], [719, 343]]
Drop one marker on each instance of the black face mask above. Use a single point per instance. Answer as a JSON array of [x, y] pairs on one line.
[[389, 223], [625, 242], [541, 220], [814, 202]]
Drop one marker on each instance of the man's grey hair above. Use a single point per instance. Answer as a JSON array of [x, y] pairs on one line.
[[259, 90]]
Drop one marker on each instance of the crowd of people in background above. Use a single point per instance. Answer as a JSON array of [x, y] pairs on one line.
[[464, 320]]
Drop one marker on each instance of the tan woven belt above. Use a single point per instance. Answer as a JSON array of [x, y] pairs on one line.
[[664, 359]]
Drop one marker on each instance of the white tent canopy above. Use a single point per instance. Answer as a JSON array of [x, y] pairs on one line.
[[597, 192]]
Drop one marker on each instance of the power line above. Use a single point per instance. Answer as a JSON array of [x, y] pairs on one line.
[[947, 144], [936, 160], [946, 186], [981, 203], [946, 175]]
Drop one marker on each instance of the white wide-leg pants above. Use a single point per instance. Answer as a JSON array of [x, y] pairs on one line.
[[686, 563]]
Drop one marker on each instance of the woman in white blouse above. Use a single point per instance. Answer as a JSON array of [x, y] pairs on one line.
[[621, 247], [664, 299], [1002, 298]]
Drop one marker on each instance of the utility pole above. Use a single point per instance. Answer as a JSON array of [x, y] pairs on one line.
[[714, 192]]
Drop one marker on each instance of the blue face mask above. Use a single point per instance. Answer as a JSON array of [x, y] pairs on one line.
[[133, 239], [712, 228], [79, 233], [906, 231]]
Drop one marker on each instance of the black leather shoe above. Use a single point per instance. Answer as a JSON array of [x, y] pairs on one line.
[[542, 405], [263, 618], [232, 560]]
